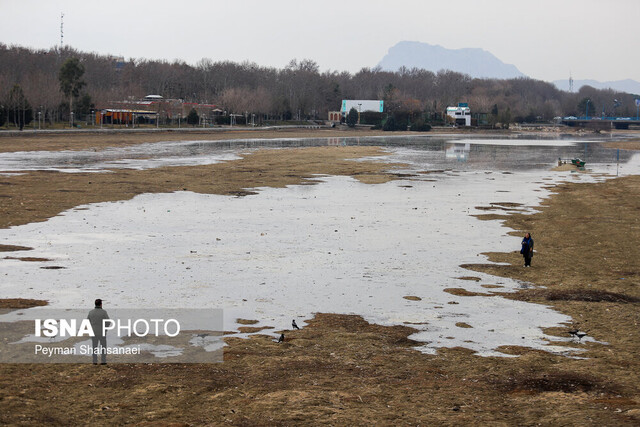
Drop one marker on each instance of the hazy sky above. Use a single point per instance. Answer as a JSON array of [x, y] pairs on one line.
[[545, 39]]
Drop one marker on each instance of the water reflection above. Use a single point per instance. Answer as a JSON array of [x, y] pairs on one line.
[[488, 152], [456, 151]]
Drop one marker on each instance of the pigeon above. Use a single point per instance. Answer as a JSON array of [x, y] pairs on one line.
[[294, 325], [281, 339]]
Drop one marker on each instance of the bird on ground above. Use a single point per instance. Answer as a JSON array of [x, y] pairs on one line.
[[577, 333], [581, 335], [281, 339], [294, 324]]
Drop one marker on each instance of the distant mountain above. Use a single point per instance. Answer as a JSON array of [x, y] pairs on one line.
[[628, 85], [475, 62]]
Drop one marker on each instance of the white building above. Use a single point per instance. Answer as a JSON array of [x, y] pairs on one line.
[[460, 114], [362, 105]]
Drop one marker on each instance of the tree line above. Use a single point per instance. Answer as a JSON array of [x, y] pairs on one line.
[[30, 84]]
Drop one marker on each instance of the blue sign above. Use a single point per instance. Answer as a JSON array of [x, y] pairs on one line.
[[463, 104]]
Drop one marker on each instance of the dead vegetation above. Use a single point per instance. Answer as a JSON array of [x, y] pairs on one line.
[[630, 144], [461, 292], [28, 259], [586, 295], [337, 370], [100, 140], [34, 197], [246, 321], [341, 370], [14, 248], [18, 303], [472, 278], [555, 381]]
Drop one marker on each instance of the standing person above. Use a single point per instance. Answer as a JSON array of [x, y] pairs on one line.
[[96, 317], [527, 249]]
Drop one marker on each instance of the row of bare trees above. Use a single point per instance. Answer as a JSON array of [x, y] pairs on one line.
[[299, 90]]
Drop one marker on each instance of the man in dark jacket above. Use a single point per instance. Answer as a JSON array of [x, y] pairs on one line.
[[96, 318], [527, 249]]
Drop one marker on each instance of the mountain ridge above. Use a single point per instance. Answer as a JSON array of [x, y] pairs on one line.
[[478, 63], [475, 62]]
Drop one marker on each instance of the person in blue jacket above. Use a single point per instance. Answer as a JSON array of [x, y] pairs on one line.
[[527, 249]]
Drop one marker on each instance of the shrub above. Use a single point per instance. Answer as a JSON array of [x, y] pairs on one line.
[[420, 126], [193, 118], [352, 117], [389, 124]]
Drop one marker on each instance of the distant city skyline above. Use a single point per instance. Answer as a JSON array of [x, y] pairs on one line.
[[546, 40]]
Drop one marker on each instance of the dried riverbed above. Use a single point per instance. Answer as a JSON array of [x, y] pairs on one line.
[[340, 369]]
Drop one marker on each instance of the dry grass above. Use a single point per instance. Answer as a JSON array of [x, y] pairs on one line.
[[471, 278], [14, 248], [39, 195], [565, 382], [587, 295], [99, 140], [461, 292], [632, 144], [338, 370], [28, 259], [246, 321], [341, 370], [18, 303]]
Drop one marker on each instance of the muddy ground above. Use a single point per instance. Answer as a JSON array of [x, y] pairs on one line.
[[341, 370]]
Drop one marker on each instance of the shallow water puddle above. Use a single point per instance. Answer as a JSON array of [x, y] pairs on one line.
[[339, 246]]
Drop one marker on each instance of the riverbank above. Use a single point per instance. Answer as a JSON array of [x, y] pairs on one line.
[[98, 140], [340, 369]]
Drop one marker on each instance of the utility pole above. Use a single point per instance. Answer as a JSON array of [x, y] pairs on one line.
[[570, 83], [61, 30], [587, 109]]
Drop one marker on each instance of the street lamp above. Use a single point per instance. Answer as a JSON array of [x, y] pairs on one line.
[[587, 112]]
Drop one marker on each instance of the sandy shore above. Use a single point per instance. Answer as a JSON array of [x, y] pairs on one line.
[[340, 369]]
